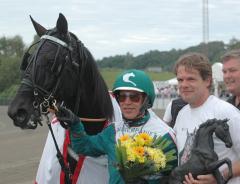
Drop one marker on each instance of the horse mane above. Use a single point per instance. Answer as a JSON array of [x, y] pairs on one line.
[[95, 93], [209, 122]]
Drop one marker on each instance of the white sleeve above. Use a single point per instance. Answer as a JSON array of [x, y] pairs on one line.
[[234, 130], [167, 118]]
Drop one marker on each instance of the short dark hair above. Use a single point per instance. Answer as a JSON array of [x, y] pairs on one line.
[[195, 61]]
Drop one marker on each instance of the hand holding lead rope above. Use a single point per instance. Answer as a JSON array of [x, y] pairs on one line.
[[65, 116]]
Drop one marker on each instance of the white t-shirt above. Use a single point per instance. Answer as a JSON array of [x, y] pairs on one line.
[[189, 119], [167, 118]]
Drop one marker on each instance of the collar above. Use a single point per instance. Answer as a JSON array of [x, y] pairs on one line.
[[232, 100], [137, 122]]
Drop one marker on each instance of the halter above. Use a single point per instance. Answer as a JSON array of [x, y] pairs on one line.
[[41, 106], [57, 41], [48, 96]]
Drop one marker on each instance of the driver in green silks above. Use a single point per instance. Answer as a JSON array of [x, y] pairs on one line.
[[134, 92]]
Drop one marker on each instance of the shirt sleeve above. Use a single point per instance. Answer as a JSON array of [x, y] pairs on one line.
[[167, 118], [234, 131], [94, 145]]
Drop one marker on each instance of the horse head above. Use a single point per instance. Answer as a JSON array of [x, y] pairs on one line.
[[60, 69], [222, 132]]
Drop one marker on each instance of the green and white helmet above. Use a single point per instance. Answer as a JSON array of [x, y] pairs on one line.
[[135, 80]]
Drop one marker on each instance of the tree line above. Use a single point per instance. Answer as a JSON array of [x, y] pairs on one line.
[[12, 50], [166, 59]]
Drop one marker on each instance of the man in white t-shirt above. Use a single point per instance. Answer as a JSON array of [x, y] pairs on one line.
[[194, 76], [231, 75]]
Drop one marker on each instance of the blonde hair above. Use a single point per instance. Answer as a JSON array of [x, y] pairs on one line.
[[232, 54]]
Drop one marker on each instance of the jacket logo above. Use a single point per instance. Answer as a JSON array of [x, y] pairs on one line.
[[127, 76]]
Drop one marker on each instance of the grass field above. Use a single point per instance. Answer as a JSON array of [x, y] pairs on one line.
[[110, 75]]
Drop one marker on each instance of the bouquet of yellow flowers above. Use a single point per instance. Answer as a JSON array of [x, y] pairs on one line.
[[142, 155]]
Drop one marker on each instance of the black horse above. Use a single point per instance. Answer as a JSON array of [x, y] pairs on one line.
[[60, 69], [203, 159]]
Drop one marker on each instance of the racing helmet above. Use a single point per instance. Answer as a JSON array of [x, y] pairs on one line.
[[135, 80]]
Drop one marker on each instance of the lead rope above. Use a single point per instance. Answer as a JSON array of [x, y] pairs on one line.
[[65, 168]]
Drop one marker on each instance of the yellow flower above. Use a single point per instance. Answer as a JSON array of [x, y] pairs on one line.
[[135, 153], [128, 145], [130, 155], [157, 156], [139, 153], [126, 140], [124, 137], [143, 139], [139, 150]]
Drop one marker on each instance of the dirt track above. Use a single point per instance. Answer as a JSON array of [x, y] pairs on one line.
[[20, 151]]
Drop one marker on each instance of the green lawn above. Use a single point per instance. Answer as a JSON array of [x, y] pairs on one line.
[[109, 76]]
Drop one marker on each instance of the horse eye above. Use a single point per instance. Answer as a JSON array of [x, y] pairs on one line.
[[59, 68], [225, 127]]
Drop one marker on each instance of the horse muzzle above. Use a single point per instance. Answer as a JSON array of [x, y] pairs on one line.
[[228, 144], [22, 119]]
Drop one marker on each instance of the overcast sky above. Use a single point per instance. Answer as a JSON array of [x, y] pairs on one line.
[[110, 27]]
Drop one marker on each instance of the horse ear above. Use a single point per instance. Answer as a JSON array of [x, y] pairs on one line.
[[38, 28], [62, 25]]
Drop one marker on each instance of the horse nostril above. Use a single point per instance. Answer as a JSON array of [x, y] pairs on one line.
[[21, 116], [20, 119], [229, 145]]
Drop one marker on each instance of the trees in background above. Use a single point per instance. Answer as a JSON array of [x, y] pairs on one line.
[[163, 59], [12, 50], [11, 47]]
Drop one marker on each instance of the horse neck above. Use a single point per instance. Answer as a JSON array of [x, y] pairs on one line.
[[94, 99], [204, 139]]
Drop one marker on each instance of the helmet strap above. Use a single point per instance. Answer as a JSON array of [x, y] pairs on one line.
[[145, 106]]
